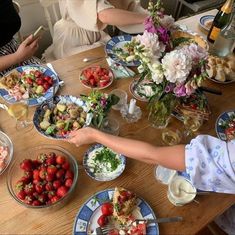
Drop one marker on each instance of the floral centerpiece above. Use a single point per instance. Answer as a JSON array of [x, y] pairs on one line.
[[171, 67], [99, 105]]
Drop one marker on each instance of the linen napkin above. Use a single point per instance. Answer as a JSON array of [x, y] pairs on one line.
[[119, 70]]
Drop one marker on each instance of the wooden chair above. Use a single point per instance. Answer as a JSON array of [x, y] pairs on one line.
[[17, 8], [196, 6], [52, 12]]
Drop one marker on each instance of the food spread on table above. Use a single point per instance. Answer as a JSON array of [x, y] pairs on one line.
[[45, 180], [4, 152], [221, 69], [31, 83], [121, 214], [229, 127], [96, 77], [103, 163], [62, 119]]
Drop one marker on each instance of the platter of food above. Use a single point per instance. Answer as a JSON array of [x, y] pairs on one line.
[[119, 51], [96, 77], [31, 82], [225, 126], [57, 119], [221, 70], [118, 208], [102, 164]]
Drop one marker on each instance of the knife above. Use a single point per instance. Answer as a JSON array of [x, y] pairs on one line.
[[161, 220]]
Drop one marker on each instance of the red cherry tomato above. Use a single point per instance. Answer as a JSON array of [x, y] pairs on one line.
[[107, 208], [102, 220]]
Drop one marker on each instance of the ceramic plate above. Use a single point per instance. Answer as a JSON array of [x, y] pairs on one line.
[[87, 216], [84, 79], [33, 101], [104, 177], [223, 118], [40, 111], [205, 21], [118, 42], [135, 94]]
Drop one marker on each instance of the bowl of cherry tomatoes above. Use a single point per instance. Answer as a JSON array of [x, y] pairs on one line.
[[45, 178], [96, 77]]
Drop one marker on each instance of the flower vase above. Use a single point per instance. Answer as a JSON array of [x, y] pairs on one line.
[[160, 109]]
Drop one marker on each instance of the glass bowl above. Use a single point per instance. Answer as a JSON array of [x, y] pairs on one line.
[[5, 145], [34, 187]]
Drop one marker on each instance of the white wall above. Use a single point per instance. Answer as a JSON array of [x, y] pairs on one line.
[[32, 16]]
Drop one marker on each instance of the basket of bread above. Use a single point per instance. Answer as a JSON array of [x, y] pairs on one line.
[[221, 70]]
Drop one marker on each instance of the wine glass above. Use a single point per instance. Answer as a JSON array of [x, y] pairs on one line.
[[192, 124], [171, 136], [19, 111]]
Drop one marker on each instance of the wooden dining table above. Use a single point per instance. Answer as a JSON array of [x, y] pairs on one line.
[[138, 177]]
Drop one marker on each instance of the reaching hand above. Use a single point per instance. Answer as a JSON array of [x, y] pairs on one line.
[[27, 48], [82, 136]]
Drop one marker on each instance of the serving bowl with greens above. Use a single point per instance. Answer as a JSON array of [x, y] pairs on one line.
[[56, 119], [103, 164]]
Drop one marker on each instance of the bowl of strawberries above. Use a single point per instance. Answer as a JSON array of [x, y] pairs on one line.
[[96, 77], [45, 178]]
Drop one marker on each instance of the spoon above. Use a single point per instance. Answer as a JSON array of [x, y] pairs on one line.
[[198, 193], [88, 59]]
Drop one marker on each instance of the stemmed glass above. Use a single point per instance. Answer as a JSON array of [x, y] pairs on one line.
[[192, 124], [19, 111]]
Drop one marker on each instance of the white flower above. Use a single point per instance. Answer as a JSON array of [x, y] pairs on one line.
[[153, 47], [196, 52], [156, 72], [177, 66], [167, 22]]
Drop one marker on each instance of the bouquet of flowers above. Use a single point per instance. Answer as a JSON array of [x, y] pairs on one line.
[[99, 105], [170, 67]]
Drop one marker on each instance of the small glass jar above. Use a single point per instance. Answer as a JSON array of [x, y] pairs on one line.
[[122, 96], [181, 191], [110, 126]]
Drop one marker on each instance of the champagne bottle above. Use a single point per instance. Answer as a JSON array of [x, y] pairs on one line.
[[222, 18]]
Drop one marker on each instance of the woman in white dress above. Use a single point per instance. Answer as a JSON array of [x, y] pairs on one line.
[[83, 21]]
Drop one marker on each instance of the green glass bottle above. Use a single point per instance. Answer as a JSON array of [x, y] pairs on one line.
[[222, 18]]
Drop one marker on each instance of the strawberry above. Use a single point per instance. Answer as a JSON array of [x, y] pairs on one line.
[[69, 174], [56, 184], [60, 160], [102, 220], [39, 187], [51, 169], [68, 183], [36, 203], [60, 174], [42, 157], [26, 165], [49, 186], [66, 165], [55, 199], [21, 195], [62, 191]]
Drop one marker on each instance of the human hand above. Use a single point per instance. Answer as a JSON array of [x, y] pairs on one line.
[[27, 49], [82, 136]]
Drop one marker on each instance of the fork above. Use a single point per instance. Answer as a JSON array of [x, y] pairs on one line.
[[104, 230]]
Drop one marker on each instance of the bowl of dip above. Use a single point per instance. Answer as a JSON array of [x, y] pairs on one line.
[[181, 191], [102, 163]]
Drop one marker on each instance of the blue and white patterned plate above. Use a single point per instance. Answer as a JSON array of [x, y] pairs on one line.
[[40, 111], [223, 118], [103, 177], [118, 42], [33, 101], [87, 216], [204, 20]]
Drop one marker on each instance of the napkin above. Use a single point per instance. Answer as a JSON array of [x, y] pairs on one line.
[[119, 70]]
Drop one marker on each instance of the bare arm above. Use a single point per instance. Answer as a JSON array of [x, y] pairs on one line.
[[26, 50], [120, 17], [170, 157]]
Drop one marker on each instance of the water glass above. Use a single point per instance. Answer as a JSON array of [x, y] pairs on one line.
[[192, 124], [163, 174], [110, 126], [122, 96]]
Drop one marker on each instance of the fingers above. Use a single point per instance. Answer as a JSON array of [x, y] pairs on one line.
[[28, 40]]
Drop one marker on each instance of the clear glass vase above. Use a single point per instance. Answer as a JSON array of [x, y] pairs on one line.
[[160, 109]]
